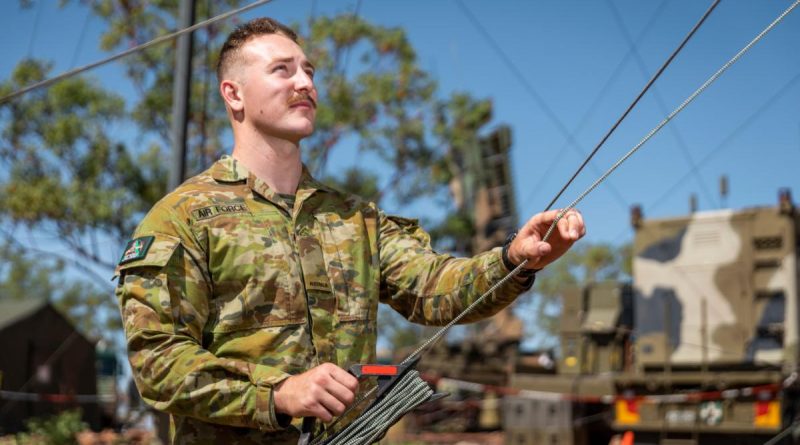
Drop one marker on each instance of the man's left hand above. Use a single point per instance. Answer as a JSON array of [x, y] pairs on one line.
[[529, 245]]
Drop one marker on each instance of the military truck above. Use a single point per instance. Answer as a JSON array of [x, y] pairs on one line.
[[701, 347]]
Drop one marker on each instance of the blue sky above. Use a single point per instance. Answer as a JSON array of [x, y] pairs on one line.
[[585, 60]]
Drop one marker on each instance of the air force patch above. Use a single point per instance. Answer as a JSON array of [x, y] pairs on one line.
[[232, 207], [136, 249]]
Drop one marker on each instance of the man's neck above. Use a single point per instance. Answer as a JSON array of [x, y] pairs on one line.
[[275, 161]]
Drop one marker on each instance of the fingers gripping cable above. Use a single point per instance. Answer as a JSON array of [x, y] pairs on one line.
[[399, 389]]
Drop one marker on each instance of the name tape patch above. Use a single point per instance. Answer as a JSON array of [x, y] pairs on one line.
[[219, 209], [136, 249]]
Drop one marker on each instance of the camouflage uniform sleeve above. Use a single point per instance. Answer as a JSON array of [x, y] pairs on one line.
[[431, 288], [164, 301]]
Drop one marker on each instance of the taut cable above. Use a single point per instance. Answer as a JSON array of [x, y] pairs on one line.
[[635, 101]]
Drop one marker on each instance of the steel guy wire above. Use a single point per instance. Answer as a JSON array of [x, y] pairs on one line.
[[602, 178], [543, 105], [35, 28], [674, 113], [130, 51], [721, 146], [81, 38], [683, 105], [662, 107], [359, 422], [595, 103], [636, 101]]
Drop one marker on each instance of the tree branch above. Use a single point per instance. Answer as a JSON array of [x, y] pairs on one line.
[[106, 283]]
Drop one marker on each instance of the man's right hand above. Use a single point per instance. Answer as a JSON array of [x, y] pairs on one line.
[[322, 392]]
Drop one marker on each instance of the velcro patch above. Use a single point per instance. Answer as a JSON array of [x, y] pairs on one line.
[[136, 249], [219, 209]]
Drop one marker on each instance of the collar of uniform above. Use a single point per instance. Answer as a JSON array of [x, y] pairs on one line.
[[228, 169], [308, 186], [307, 182]]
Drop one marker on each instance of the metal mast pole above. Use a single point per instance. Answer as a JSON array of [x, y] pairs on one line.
[[180, 95]]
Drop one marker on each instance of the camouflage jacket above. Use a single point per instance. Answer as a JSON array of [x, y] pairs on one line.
[[225, 291]]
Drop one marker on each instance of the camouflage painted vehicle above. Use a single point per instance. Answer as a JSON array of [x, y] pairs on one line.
[[701, 348]]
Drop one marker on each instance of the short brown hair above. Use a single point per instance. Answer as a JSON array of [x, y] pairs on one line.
[[243, 33]]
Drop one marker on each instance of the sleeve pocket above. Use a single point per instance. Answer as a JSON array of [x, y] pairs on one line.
[[143, 291]]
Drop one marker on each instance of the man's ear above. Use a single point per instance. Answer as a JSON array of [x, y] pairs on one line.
[[231, 93]]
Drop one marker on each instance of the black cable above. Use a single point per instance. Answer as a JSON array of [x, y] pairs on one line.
[[633, 104], [548, 111], [722, 145], [725, 143], [79, 45], [615, 73], [681, 142], [354, 18], [35, 29]]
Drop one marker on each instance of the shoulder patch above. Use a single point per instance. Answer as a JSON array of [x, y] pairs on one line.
[[219, 209], [136, 249]]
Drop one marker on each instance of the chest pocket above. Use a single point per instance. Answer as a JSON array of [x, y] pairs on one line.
[[347, 250], [254, 269]]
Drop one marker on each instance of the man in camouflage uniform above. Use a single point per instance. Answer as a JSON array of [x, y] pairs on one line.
[[246, 291]]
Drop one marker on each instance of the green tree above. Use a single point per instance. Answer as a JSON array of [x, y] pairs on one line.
[[68, 172]]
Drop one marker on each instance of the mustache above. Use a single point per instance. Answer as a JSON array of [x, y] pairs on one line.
[[303, 97]]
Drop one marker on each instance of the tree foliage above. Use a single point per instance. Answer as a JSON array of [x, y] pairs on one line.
[[64, 172], [383, 99]]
